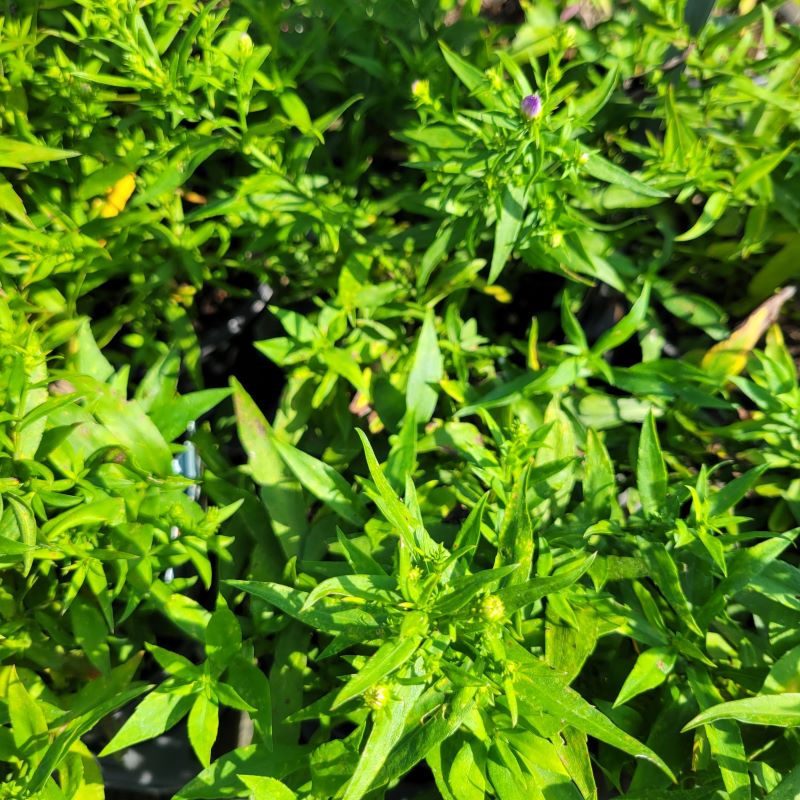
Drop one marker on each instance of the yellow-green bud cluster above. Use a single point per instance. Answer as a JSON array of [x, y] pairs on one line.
[[492, 608], [377, 696]]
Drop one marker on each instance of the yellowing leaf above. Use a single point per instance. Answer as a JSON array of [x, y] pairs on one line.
[[500, 293], [729, 357], [118, 196]]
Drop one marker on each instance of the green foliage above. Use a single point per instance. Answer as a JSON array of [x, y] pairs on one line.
[[522, 515]]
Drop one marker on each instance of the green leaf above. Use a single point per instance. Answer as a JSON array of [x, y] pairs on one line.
[[253, 687], [465, 776], [280, 490], [509, 224], [174, 663], [651, 472], [423, 738], [602, 169], [323, 481], [626, 327], [414, 536], [76, 727], [724, 737], [588, 105], [91, 633], [650, 670], [336, 620], [26, 523], [28, 723], [17, 154], [157, 713], [541, 689], [469, 534], [782, 710], [759, 169], [714, 208], [373, 588], [788, 788], [599, 480], [387, 728], [784, 675], [110, 511], [11, 204], [203, 725], [730, 494], [223, 639], [665, 575], [777, 271], [426, 371], [128, 423], [174, 415], [87, 357], [263, 788], [515, 598], [296, 110], [403, 455], [515, 543], [388, 658], [477, 83], [221, 779], [573, 750]]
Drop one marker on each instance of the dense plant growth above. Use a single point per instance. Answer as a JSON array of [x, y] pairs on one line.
[[499, 495]]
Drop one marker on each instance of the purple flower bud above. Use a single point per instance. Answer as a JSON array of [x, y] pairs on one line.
[[531, 106]]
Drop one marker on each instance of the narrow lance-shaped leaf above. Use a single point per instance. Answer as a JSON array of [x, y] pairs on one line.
[[651, 472], [386, 659], [264, 788], [27, 528], [650, 670], [202, 725], [421, 739], [714, 208], [599, 482], [374, 588], [477, 83], [724, 737], [626, 327], [540, 689], [729, 495], [598, 167], [509, 224], [323, 481], [788, 788], [387, 729], [516, 545], [775, 709], [280, 490], [426, 372], [158, 712], [664, 573], [391, 506], [28, 723], [16, 154], [587, 106], [517, 597]]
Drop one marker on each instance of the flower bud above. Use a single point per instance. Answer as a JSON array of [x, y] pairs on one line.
[[531, 106], [245, 44], [421, 91], [377, 696], [492, 608]]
